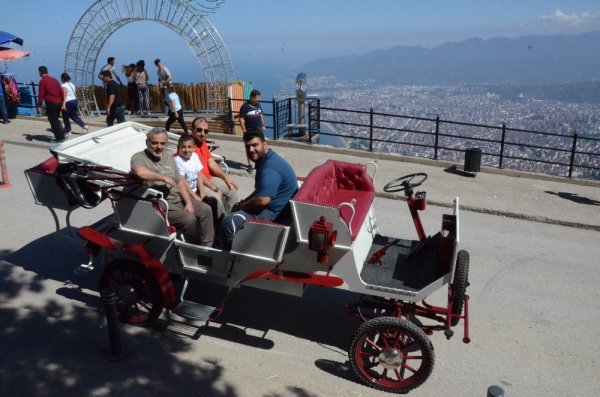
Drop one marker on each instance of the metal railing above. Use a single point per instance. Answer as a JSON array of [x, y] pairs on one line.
[[570, 155]]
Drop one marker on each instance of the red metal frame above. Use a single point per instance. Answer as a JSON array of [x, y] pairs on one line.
[[416, 203], [398, 308], [156, 267]]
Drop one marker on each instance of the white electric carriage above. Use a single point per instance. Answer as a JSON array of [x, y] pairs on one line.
[[330, 238]]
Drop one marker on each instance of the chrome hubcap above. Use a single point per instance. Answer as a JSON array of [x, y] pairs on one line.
[[390, 358]]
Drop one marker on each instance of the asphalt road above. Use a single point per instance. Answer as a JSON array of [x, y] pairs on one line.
[[534, 317]]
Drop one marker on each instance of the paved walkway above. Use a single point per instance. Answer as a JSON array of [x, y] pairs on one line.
[[535, 197]]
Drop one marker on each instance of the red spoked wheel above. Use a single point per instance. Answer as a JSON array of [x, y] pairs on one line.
[[139, 297], [391, 354]]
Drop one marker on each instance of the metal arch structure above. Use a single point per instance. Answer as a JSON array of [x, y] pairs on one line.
[[184, 17]]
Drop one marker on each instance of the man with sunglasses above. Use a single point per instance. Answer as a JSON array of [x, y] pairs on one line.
[[218, 185]]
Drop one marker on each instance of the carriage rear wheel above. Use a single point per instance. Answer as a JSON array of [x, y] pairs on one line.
[[140, 299], [391, 354], [459, 284]]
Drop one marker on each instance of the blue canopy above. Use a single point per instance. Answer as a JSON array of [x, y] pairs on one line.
[[6, 37]]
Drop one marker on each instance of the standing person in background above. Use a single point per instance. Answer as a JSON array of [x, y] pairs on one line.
[[69, 105], [51, 93], [114, 102], [251, 117], [164, 79], [132, 93], [3, 111], [141, 82], [110, 66], [175, 110]]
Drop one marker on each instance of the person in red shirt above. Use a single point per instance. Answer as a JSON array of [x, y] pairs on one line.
[[219, 185], [51, 93]]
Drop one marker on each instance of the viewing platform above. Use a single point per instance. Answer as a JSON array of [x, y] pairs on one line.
[[521, 195]]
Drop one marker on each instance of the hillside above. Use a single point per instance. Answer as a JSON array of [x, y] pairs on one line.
[[523, 60]]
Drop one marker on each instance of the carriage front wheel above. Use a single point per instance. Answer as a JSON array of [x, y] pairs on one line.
[[391, 354], [139, 297], [459, 285]]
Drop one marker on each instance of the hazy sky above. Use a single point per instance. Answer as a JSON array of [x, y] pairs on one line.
[[272, 36]]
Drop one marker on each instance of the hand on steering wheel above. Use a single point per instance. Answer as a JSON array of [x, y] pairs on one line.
[[406, 182]]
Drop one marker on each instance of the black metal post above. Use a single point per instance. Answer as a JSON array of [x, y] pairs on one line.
[[371, 130], [34, 97], [310, 122], [109, 297], [573, 150], [275, 119], [437, 137], [502, 145], [230, 115]]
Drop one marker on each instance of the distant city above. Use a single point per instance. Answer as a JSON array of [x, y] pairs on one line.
[[518, 107]]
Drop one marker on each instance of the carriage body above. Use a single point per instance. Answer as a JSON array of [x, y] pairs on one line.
[[331, 239]]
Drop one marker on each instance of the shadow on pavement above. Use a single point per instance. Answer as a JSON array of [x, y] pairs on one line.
[[56, 346], [45, 342], [574, 197], [40, 138], [454, 170]]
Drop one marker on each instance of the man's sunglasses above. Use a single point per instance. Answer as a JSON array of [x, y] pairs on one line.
[[205, 130]]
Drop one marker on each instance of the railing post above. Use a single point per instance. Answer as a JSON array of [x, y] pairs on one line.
[[34, 96], [502, 145], [309, 122], [573, 150], [275, 119], [371, 130], [230, 115], [437, 137]]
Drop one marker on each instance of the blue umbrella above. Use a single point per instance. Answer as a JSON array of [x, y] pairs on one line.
[[6, 37]]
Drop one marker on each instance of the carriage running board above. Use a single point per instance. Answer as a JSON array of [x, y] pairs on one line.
[[194, 311]]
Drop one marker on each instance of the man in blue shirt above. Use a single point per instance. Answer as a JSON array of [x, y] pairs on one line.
[[275, 184]]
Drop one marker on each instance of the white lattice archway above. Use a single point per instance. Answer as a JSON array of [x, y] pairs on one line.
[[185, 18]]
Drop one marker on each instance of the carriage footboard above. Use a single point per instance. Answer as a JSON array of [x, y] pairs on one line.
[[404, 265]]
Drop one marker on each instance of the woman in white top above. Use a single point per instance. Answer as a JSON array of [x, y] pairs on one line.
[[69, 105]]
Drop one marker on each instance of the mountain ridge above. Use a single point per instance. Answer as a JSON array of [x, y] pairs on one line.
[[532, 59]]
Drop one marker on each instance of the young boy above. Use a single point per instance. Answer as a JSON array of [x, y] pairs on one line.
[[190, 167]]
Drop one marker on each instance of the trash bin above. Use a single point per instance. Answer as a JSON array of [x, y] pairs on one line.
[[472, 160]]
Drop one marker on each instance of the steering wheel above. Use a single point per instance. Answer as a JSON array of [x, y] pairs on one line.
[[406, 182]]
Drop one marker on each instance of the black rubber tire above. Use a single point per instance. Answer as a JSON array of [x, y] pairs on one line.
[[140, 300], [459, 284], [406, 344]]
